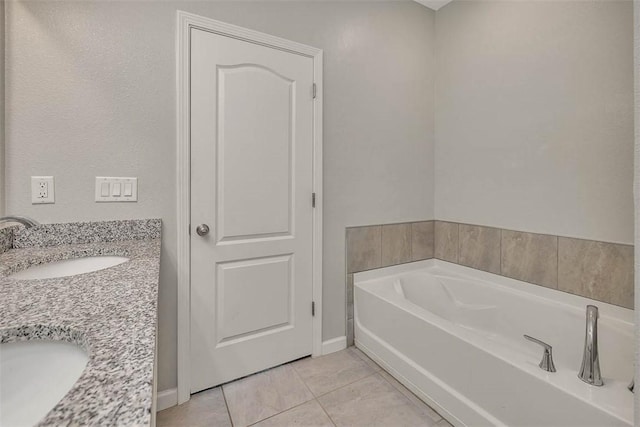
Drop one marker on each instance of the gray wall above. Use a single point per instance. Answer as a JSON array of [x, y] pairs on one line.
[[91, 91], [636, 183], [534, 117], [2, 162]]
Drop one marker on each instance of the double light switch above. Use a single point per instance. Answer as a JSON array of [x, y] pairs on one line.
[[115, 189]]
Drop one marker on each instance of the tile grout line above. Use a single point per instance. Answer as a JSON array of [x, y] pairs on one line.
[[557, 263], [411, 242], [381, 369], [303, 381], [281, 412], [226, 404], [342, 386], [501, 251], [346, 385], [380, 245], [459, 244], [325, 411]]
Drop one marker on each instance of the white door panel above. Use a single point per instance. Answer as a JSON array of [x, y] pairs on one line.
[[243, 155], [253, 286], [251, 182]]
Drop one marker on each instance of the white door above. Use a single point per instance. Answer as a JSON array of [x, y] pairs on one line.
[[251, 183]]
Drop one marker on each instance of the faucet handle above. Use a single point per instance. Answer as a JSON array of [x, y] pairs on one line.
[[546, 364]]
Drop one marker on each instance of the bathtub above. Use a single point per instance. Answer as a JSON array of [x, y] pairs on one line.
[[454, 336]]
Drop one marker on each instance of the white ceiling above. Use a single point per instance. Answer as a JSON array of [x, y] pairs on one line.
[[433, 4]]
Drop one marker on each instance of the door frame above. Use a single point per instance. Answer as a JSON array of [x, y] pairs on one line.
[[185, 22]]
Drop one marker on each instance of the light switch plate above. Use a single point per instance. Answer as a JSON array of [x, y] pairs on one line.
[[116, 189], [42, 190]]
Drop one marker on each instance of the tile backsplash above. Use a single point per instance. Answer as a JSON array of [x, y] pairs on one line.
[[376, 246], [598, 270]]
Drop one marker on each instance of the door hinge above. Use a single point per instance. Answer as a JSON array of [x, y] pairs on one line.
[[313, 200], [189, 229], [315, 91], [313, 308]]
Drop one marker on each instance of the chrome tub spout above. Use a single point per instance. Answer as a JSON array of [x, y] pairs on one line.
[[590, 369]]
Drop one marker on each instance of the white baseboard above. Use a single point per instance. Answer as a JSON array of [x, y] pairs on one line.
[[167, 399], [334, 344]]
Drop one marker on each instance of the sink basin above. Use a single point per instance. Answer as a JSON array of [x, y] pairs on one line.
[[34, 377], [68, 267]]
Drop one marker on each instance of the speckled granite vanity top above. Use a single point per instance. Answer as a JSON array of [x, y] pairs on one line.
[[111, 313]]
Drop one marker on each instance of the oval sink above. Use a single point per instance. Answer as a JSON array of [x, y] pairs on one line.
[[35, 376], [68, 267]]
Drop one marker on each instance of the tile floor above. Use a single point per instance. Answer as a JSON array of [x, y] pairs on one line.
[[345, 388]]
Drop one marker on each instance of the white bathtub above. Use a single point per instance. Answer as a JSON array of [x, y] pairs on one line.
[[453, 335]]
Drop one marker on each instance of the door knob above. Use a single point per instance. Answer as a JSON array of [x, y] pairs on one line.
[[202, 230]]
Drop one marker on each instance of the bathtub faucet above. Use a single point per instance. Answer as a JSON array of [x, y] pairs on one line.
[[546, 364], [590, 369]]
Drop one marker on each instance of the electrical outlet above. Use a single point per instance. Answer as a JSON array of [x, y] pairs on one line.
[[42, 190]]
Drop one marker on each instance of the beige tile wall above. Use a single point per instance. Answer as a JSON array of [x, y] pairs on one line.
[[378, 246], [598, 270]]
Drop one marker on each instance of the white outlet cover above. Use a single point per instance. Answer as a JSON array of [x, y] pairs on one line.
[[42, 190]]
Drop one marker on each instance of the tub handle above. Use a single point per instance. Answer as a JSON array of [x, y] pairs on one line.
[[546, 364]]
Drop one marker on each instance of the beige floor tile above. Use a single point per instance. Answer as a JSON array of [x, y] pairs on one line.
[[365, 358], [444, 423], [308, 414], [372, 401], [265, 394], [206, 408], [327, 373], [424, 409]]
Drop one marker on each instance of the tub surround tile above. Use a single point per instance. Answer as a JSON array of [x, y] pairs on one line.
[[265, 394], [206, 408], [330, 372], [378, 403], [349, 288], [350, 333], [530, 257], [120, 304], [376, 246], [597, 270], [480, 247], [446, 241], [364, 251], [308, 414], [422, 240], [396, 244]]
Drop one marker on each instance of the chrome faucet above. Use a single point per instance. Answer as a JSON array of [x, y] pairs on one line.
[[546, 364], [27, 222], [590, 369]]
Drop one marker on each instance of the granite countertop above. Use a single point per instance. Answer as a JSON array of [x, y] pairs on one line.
[[111, 313]]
